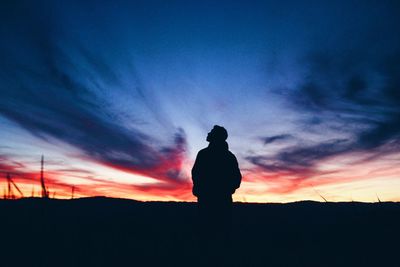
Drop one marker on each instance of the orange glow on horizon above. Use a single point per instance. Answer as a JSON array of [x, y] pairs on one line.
[[334, 180]]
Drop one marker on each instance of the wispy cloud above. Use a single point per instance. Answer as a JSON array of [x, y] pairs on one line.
[[276, 138], [349, 102], [55, 92]]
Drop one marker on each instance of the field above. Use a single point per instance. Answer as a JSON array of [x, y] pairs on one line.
[[118, 232]]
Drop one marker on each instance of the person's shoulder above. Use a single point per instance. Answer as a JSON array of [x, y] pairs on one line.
[[203, 151], [231, 155]]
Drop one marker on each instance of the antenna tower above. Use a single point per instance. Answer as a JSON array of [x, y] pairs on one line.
[[45, 194]]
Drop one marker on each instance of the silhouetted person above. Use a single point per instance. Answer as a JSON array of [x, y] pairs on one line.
[[216, 176]]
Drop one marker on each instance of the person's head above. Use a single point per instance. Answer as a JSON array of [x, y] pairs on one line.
[[217, 134]]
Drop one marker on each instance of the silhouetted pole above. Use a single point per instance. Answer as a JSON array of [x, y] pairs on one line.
[[45, 194], [16, 187], [10, 184], [9, 193]]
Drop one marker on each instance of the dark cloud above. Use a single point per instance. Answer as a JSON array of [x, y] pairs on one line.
[[362, 100], [276, 138], [300, 159], [50, 86], [348, 95], [366, 94]]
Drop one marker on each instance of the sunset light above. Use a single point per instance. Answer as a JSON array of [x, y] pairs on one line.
[[119, 102]]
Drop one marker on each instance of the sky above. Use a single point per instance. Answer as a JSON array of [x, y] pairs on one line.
[[119, 97]]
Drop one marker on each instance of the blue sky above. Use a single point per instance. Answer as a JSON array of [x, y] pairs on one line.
[[306, 90]]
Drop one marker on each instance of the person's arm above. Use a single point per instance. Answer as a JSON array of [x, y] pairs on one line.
[[196, 174], [237, 176]]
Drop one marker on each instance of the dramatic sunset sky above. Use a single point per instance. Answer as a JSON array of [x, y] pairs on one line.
[[119, 96]]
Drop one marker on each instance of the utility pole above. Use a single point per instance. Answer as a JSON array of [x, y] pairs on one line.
[[11, 183], [10, 194], [72, 192], [45, 194]]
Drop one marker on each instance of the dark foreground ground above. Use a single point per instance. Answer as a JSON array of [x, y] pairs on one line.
[[113, 232]]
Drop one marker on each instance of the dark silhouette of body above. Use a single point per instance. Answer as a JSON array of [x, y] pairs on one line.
[[216, 176]]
